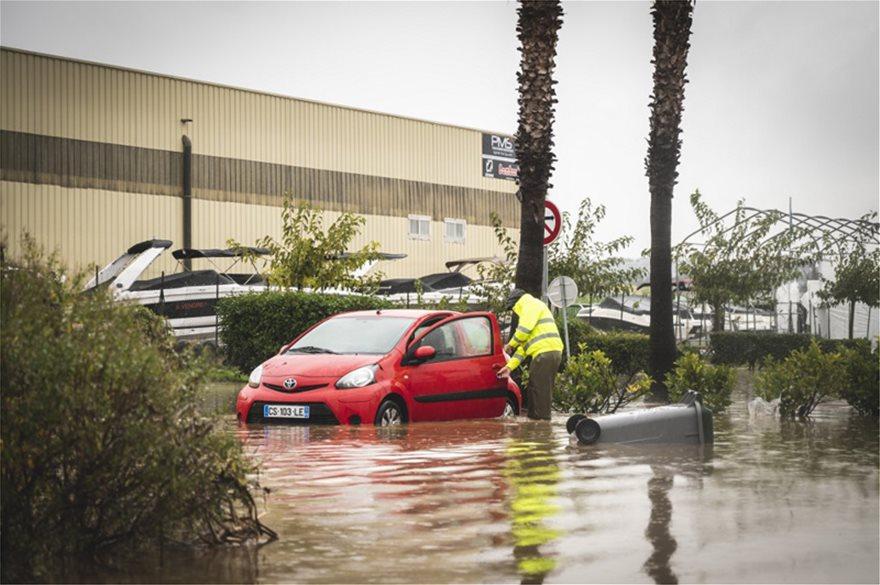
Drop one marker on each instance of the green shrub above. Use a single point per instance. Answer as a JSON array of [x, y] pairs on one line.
[[102, 444], [215, 369], [803, 380], [256, 325], [839, 345], [714, 383], [588, 383], [752, 347], [863, 380], [628, 352]]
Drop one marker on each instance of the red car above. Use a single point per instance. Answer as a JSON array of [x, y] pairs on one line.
[[384, 367]]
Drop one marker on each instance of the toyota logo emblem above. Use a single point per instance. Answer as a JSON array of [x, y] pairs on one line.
[[289, 384]]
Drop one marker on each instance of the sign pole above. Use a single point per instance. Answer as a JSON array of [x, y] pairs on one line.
[[565, 324], [544, 277], [562, 293]]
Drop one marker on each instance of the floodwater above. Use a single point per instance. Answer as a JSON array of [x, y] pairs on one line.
[[501, 501]]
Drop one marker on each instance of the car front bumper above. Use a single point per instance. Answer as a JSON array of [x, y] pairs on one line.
[[329, 406]]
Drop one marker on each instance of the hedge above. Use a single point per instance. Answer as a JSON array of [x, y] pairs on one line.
[[752, 347], [628, 351], [256, 325]]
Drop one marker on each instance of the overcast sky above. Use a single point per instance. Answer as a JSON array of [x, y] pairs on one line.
[[782, 100]]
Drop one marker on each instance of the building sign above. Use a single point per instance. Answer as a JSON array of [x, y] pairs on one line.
[[499, 157]]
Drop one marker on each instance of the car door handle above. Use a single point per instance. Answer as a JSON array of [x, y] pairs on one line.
[[497, 367]]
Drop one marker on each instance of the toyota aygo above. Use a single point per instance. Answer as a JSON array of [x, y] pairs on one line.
[[384, 368]]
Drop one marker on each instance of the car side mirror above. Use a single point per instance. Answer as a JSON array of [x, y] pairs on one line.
[[422, 354]]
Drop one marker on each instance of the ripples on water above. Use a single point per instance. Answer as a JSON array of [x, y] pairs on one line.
[[496, 501]]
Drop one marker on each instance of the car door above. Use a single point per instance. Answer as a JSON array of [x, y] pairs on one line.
[[459, 381]]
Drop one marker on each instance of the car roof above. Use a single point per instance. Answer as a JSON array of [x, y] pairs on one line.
[[411, 313]]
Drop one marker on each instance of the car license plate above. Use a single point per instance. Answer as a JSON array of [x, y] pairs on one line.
[[285, 411]]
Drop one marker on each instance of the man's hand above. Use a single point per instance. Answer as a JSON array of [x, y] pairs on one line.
[[508, 350], [503, 372]]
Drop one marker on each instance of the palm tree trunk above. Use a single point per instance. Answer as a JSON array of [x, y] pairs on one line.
[[538, 31], [672, 30]]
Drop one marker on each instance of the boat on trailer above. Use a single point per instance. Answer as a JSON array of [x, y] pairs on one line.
[[633, 313], [186, 298], [450, 286]]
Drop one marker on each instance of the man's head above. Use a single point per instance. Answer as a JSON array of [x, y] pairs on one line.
[[515, 295]]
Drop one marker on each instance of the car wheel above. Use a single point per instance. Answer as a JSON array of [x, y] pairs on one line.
[[509, 408], [390, 414]]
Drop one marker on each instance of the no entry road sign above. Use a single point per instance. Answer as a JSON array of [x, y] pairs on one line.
[[552, 222]]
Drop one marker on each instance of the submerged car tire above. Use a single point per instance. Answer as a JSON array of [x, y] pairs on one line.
[[390, 413], [510, 409]]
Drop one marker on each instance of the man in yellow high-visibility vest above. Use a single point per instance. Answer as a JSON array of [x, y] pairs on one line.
[[536, 337]]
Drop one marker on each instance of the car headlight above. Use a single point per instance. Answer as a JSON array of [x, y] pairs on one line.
[[358, 378], [254, 380]]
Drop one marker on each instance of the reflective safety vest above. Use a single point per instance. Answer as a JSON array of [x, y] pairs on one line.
[[536, 332]]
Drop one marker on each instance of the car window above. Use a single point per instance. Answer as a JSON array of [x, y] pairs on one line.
[[444, 341], [375, 334], [424, 327], [469, 337], [477, 336]]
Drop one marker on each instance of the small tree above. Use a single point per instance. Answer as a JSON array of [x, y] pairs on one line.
[[588, 383], [743, 263], [803, 380], [863, 387], [595, 266], [496, 278], [310, 255], [118, 458], [714, 383], [856, 280]]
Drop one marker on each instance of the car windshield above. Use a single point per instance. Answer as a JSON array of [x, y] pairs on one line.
[[350, 335]]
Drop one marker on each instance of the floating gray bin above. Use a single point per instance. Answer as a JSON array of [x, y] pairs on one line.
[[686, 422]]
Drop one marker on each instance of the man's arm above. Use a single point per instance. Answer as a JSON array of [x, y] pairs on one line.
[[514, 362], [514, 321], [523, 329]]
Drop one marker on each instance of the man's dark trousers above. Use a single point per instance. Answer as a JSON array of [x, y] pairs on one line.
[[542, 374]]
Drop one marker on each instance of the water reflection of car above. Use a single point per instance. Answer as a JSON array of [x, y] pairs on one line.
[[386, 368]]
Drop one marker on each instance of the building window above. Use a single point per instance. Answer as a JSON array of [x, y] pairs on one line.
[[419, 227], [455, 230]]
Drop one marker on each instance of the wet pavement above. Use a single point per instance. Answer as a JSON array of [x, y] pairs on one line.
[[502, 501]]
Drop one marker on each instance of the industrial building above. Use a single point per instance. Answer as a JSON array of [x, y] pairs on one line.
[[95, 159]]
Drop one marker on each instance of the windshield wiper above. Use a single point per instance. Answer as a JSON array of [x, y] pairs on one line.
[[310, 349]]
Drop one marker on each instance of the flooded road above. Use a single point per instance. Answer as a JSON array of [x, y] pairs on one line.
[[496, 501]]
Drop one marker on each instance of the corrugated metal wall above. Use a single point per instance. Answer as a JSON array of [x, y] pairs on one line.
[[70, 220], [91, 159], [75, 221], [217, 219], [59, 97]]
